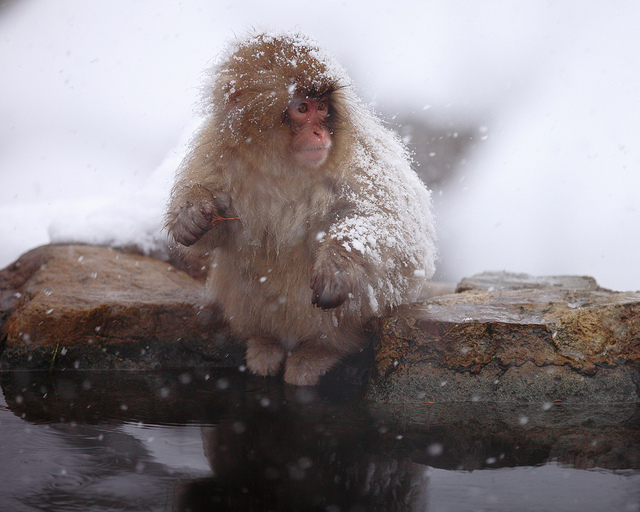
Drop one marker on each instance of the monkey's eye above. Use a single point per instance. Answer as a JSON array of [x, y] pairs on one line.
[[322, 106], [303, 108]]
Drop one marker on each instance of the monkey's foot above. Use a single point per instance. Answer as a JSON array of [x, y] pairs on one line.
[[307, 364], [265, 355]]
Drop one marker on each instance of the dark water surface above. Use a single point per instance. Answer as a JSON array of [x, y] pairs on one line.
[[224, 440]]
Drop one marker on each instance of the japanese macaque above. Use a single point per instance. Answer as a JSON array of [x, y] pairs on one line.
[[308, 208]]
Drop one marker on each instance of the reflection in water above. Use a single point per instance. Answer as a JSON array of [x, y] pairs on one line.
[[223, 440], [301, 456]]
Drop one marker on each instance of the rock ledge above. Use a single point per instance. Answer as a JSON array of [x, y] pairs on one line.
[[76, 306], [512, 337], [500, 337]]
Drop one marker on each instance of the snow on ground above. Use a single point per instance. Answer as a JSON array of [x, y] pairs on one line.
[[97, 99]]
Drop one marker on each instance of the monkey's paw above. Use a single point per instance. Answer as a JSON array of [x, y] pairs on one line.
[[264, 355], [308, 363], [196, 216], [331, 284]]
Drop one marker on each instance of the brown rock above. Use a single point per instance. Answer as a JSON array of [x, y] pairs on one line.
[[491, 281], [85, 306], [510, 337], [503, 337]]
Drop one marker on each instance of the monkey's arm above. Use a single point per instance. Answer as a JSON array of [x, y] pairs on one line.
[[338, 270]]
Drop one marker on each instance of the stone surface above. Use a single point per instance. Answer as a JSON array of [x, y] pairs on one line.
[[502, 337], [492, 281], [511, 337], [75, 306]]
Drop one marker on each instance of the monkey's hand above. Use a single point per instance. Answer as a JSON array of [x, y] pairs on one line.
[[331, 283], [197, 214]]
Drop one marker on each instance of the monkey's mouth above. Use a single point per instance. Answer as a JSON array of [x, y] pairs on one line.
[[315, 154]]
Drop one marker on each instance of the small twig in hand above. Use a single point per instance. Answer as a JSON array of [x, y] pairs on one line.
[[217, 219]]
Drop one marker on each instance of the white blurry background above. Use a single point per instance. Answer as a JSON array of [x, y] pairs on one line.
[[97, 100]]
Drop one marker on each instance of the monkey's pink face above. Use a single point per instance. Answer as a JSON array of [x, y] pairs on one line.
[[311, 137]]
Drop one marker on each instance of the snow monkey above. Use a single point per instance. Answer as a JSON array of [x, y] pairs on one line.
[[308, 208]]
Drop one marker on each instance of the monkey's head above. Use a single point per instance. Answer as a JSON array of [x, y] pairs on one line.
[[281, 95]]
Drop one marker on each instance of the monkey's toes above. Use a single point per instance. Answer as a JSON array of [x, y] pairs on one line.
[[264, 356], [307, 364], [298, 377]]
